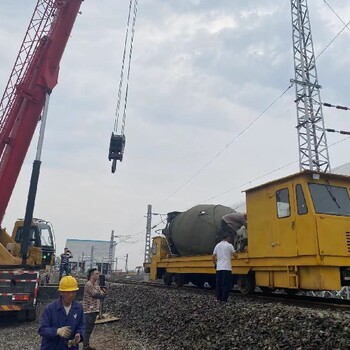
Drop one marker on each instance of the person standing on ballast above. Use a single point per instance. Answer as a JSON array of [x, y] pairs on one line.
[[222, 256]]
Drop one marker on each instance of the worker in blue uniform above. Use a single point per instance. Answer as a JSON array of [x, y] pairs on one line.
[[62, 323]]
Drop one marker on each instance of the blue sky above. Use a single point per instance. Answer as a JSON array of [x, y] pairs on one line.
[[202, 71]]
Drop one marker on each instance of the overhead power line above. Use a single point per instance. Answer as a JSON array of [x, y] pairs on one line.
[[346, 26], [226, 146], [332, 41], [341, 20], [248, 183]]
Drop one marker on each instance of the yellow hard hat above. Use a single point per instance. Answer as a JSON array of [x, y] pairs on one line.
[[68, 284]]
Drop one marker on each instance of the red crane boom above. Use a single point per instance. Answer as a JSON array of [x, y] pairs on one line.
[[34, 75]]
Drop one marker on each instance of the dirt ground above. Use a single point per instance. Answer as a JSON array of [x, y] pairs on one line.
[[112, 336], [109, 336]]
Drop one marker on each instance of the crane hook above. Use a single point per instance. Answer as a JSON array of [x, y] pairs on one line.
[[116, 149]]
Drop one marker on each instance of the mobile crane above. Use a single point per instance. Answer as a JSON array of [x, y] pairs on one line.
[[24, 103]]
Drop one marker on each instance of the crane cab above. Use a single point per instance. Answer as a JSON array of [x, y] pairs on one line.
[[41, 245], [41, 242]]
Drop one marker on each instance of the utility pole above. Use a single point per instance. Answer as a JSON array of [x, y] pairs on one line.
[[112, 244], [92, 256], [148, 234], [313, 149], [126, 262]]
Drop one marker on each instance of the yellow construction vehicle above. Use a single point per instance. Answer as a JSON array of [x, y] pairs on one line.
[[30, 250], [20, 284], [298, 239], [41, 245]]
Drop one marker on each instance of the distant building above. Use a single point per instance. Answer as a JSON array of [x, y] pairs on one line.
[[89, 253]]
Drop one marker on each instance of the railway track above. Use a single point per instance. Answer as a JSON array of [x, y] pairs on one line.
[[272, 297]]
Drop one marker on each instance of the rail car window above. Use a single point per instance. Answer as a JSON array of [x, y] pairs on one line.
[[282, 202], [302, 206], [327, 199]]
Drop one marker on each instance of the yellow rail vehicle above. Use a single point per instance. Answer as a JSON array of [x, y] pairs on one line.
[[298, 238]]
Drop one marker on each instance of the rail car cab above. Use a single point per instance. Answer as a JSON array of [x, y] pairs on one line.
[[299, 232]]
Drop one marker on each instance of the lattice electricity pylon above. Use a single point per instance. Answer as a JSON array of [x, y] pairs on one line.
[[313, 149]]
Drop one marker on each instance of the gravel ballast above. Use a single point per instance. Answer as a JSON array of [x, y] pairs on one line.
[[154, 318]]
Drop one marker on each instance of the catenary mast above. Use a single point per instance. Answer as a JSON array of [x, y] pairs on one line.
[[313, 149]]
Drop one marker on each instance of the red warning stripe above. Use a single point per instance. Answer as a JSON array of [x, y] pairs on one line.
[[17, 272], [9, 307], [7, 280]]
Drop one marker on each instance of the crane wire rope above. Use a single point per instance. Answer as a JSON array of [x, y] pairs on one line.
[[130, 26], [245, 129], [129, 65]]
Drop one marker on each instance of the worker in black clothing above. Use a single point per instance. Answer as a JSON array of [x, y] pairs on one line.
[[65, 266]]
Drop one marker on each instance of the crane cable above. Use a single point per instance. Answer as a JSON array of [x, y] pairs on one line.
[[133, 5]]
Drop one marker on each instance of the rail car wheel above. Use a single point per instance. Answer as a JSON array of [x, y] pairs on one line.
[[212, 282], [246, 283], [198, 281], [179, 279], [167, 278], [290, 291]]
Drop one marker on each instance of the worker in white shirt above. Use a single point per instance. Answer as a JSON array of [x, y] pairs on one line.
[[222, 256]]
